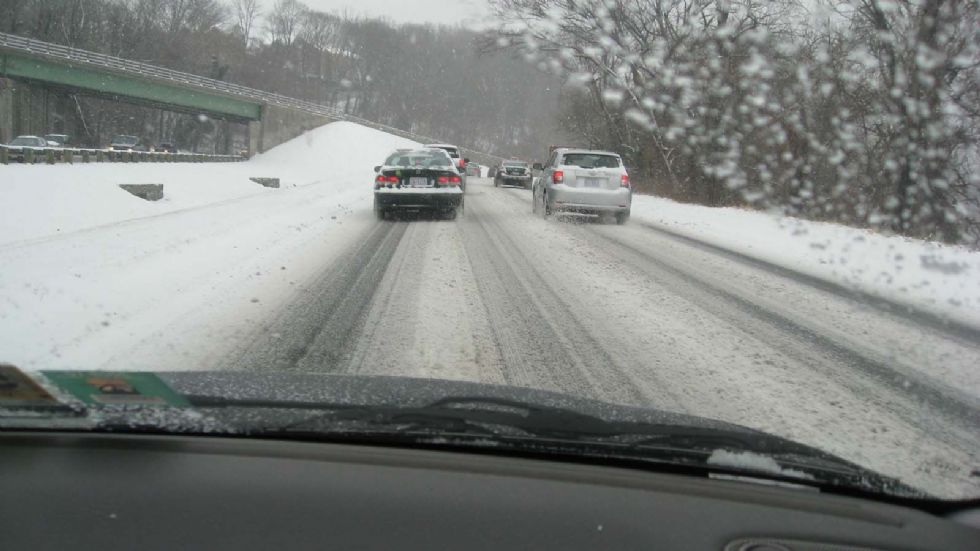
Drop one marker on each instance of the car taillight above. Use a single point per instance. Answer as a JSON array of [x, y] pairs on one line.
[[558, 176], [452, 180], [392, 179], [380, 179], [624, 180]]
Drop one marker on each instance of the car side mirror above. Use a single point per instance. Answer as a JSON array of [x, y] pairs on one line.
[[377, 168], [537, 166]]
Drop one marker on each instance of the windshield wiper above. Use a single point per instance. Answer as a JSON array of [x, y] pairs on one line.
[[520, 425], [532, 419], [480, 424]]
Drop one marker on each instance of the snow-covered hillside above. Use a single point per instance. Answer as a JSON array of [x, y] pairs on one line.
[[92, 275], [41, 200]]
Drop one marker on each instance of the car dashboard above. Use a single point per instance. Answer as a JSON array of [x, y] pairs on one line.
[[120, 491]]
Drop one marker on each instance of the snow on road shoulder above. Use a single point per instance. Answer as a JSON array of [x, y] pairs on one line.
[[931, 277], [50, 200], [95, 278]]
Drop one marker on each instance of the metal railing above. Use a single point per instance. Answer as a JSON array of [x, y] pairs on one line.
[[75, 155], [66, 53]]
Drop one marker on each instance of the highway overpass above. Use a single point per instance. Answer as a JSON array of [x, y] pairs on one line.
[[271, 118]]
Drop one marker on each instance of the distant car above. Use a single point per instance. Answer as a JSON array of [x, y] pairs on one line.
[[123, 142], [458, 160], [513, 173], [165, 147], [58, 140], [19, 145], [418, 180], [473, 169], [583, 181]]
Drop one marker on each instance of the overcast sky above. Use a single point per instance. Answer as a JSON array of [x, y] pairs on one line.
[[406, 11]]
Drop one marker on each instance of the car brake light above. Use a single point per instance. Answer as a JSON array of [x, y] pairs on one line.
[[558, 176], [380, 179], [392, 179], [624, 180]]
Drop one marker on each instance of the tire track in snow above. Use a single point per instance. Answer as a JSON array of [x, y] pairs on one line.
[[542, 341], [874, 372], [317, 329]]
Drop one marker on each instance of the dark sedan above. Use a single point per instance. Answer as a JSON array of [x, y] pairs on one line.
[[418, 180]]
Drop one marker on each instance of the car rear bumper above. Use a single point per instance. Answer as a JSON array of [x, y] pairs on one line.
[[436, 199], [515, 180], [589, 200]]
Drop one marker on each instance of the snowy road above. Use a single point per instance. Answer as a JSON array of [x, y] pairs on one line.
[[631, 315], [225, 274]]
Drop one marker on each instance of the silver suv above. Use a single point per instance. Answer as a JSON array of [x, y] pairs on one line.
[[583, 181]]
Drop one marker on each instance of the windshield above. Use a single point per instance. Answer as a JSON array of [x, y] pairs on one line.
[[22, 140], [761, 216], [453, 152], [125, 140], [419, 158], [588, 160]]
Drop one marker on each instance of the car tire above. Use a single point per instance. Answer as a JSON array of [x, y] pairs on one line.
[[622, 217], [545, 209], [534, 202], [378, 211]]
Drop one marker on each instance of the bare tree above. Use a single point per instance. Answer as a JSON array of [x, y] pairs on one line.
[[870, 119], [284, 21], [246, 13]]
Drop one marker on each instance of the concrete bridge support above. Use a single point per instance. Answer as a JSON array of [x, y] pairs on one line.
[[280, 124]]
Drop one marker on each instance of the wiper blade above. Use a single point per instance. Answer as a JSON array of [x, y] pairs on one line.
[[518, 426], [465, 413]]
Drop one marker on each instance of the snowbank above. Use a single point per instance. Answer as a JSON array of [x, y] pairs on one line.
[[95, 278], [45, 200], [931, 277]]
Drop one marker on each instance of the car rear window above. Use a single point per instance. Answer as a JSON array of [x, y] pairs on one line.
[[24, 141], [591, 160], [418, 158], [453, 152], [125, 139]]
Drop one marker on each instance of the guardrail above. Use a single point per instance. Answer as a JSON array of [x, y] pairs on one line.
[[75, 55], [54, 155]]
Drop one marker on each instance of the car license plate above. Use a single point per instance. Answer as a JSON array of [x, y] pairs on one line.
[[592, 182], [418, 181]]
